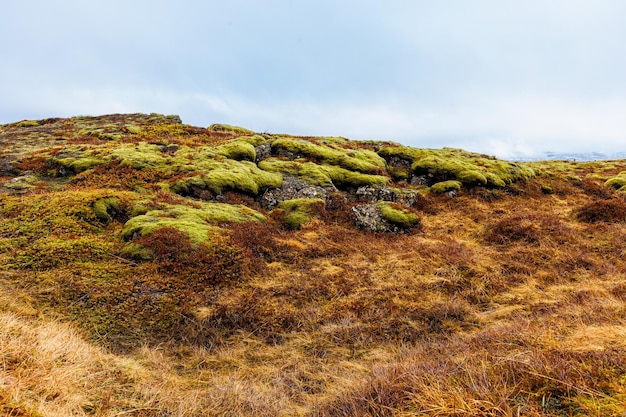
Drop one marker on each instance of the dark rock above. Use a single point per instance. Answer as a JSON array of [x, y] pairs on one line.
[[7, 168], [263, 152], [375, 194], [368, 216], [420, 180], [293, 188]]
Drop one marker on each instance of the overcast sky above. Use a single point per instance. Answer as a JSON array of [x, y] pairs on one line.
[[502, 77]]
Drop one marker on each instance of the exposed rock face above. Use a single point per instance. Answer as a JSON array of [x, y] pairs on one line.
[[369, 217], [7, 168], [375, 194], [263, 152], [291, 189]]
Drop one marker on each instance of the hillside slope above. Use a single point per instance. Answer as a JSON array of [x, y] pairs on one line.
[[152, 268]]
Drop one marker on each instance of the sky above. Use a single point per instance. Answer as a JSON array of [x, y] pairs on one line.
[[502, 77]]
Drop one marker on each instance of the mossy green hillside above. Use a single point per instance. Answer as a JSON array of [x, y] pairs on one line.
[[322, 175], [229, 175], [398, 215], [300, 211], [455, 164], [199, 223], [361, 160]]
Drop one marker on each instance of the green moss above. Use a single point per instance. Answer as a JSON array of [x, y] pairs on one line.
[[135, 130], [106, 208], [403, 152], [53, 251], [398, 215], [254, 140], [617, 182], [238, 150], [217, 127], [344, 178], [28, 123], [20, 184], [198, 223], [468, 168], [229, 175], [446, 186], [310, 172], [80, 164], [361, 160], [472, 177], [300, 211], [140, 156]]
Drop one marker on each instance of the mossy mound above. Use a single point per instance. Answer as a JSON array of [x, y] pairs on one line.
[[300, 211], [398, 215], [618, 182], [446, 186], [470, 169], [197, 223], [229, 175], [360, 160], [219, 127]]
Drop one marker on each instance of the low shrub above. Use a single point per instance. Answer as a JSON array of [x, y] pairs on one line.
[[606, 211]]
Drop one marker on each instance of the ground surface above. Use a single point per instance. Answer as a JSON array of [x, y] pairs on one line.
[[150, 268]]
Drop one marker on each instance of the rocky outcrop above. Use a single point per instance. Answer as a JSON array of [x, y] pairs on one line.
[[291, 189], [263, 152], [376, 194], [376, 218]]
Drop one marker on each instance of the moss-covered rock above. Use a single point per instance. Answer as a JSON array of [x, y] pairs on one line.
[[219, 127], [398, 215], [229, 175], [300, 211], [618, 182], [309, 172], [198, 223], [239, 150], [385, 217], [360, 160], [446, 186]]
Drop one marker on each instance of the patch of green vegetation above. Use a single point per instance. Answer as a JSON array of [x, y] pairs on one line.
[[446, 186], [238, 150], [403, 152], [19, 184], [309, 172], [28, 123], [254, 140], [618, 182], [64, 215], [140, 156], [229, 175], [344, 178], [300, 211], [470, 168], [53, 251], [218, 127], [106, 208], [361, 160], [78, 164], [198, 223], [398, 215]]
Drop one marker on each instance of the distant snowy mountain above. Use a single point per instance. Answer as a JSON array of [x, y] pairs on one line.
[[572, 156]]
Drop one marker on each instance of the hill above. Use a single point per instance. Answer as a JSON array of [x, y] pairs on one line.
[[152, 268]]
